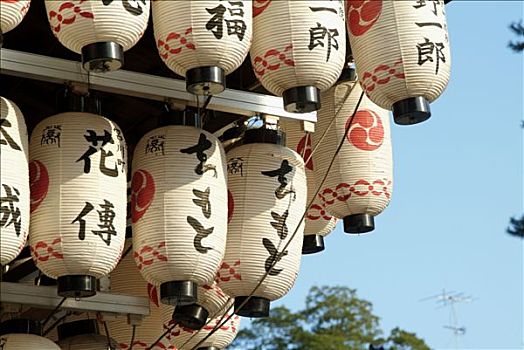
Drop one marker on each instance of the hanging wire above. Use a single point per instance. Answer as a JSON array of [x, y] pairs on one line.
[[132, 337], [108, 336], [159, 339], [55, 310], [56, 323]]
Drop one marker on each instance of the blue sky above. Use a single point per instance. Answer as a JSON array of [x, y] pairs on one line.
[[458, 179]]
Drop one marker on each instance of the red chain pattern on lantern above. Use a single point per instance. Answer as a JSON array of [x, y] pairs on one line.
[[344, 191], [146, 255], [317, 212], [67, 13], [381, 75], [261, 64], [216, 289], [165, 49], [362, 15], [229, 273], [49, 249], [138, 344], [259, 6]]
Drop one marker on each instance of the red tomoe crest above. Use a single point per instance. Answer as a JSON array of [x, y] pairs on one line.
[[230, 206], [259, 6], [39, 183], [366, 131], [142, 194], [304, 149], [362, 15], [153, 294]]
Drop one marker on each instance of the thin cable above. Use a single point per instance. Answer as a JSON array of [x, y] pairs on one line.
[[132, 337], [56, 324], [204, 108], [51, 314], [107, 334], [161, 337]]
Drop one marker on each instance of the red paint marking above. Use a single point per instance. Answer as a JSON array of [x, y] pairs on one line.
[[260, 6], [142, 193], [39, 255], [66, 15], [304, 149], [230, 206], [228, 273], [164, 46], [381, 75], [262, 64], [343, 191], [39, 183], [146, 255], [366, 131], [362, 15]]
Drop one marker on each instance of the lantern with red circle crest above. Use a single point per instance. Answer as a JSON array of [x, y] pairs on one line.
[[179, 216], [298, 49], [15, 181], [99, 30], [12, 12], [359, 184], [78, 176], [203, 40], [402, 54], [318, 222]]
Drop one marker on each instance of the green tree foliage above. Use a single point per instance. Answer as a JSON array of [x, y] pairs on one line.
[[518, 29], [334, 318], [516, 227]]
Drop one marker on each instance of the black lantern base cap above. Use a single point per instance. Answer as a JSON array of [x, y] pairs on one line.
[[411, 111], [191, 316], [178, 293], [102, 57], [209, 348], [21, 326], [302, 99], [205, 80], [76, 286], [255, 307], [71, 329], [69, 101], [263, 135], [313, 244], [359, 223]]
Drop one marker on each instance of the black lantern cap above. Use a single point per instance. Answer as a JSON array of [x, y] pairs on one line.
[[102, 57], [263, 135], [411, 111], [301, 99], [255, 307], [70, 101], [191, 316], [178, 293], [209, 348], [313, 244], [359, 223], [187, 117], [71, 329], [205, 80], [21, 326], [77, 286]]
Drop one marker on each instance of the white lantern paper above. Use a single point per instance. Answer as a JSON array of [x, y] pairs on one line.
[[268, 188], [203, 40], [26, 341], [298, 49], [318, 222], [185, 338], [179, 211], [78, 199], [99, 30], [14, 174], [402, 54], [12, 12], [360, 182]]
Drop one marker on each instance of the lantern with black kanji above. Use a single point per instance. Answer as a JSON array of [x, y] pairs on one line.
[[12, 12], [360, 183], [78, 173], [318, 222], [179, 211], [203, 40], [99, 30], [83, 335], [298, 49], [22, 334], [15, 181], [267, 182], [402, 54]]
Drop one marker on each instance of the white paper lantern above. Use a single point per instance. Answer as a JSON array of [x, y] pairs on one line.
[[203, 40], [179, 211], [14, 174], [12, 12], [25, 342], [100, 30], [78, 199], [83, 334], [298, 49], [268, 188], [318, 222], [360, 182], [186, 338], [401, 49]]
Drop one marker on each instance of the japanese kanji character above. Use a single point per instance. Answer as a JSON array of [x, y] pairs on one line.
[[319, 34], [10, 210], [7, 140]]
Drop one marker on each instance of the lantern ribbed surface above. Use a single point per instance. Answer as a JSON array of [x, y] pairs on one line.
[[268, 188], [318, 221], [78, 175], [191, 34], [212, 298], [80, 23], [126, 279], [12, 12], [298, 43], [25, 342], [14, 149], [401, 48], [178, 204], [186, 339], [85, 342], [361, 178]]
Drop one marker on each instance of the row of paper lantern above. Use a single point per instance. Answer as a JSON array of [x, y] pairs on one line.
[[297, 48]]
